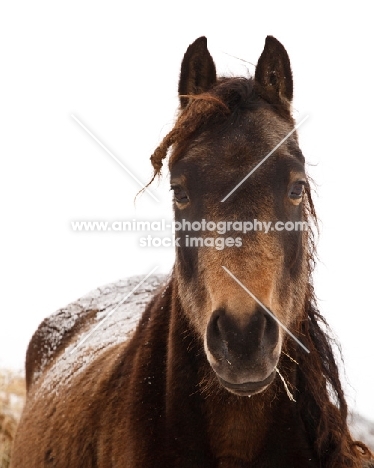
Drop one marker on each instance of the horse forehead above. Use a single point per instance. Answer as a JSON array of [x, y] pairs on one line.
[[252, 135], [259, 125]]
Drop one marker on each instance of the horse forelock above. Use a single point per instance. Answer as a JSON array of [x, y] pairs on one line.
[[216, 107]]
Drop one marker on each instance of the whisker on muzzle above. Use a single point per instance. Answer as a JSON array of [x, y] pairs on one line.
[[289, 394]]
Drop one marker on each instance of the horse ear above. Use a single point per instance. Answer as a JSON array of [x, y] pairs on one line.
[[198, 72], [273, 71]]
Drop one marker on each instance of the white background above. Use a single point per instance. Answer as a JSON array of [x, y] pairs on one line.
[[115, 66]]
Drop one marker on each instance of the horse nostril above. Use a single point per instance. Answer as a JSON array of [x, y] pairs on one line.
[[215, 333], [271, 331]]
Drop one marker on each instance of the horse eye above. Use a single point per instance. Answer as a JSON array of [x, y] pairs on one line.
[[180, 195], [297, 190]]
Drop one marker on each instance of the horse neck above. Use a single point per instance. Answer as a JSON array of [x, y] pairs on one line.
[[197, 404], [200, 417]]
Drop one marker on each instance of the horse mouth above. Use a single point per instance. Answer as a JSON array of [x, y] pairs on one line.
[[247, 388]]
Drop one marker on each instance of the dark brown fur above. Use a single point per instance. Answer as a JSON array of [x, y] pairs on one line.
[[157, 401]]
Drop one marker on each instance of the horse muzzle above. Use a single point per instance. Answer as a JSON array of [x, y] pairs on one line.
[[243, 350]]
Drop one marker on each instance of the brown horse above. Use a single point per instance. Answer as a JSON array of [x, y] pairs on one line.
[[237, 318]]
